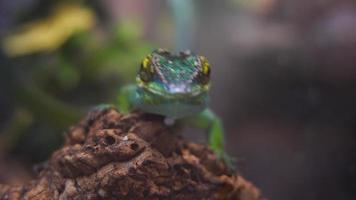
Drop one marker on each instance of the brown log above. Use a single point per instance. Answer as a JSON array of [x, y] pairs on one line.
[[113, 156]]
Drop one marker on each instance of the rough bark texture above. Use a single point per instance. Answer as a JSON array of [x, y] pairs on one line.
[[113, 156]]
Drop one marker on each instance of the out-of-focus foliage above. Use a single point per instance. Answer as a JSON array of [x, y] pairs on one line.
[[55, 67], [50, 33]]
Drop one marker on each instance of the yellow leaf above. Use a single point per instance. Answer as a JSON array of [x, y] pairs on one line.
[[50, 33]]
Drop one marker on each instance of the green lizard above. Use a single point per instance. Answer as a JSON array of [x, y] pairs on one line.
[[175, 86]]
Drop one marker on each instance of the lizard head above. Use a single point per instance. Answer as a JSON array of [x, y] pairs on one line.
[[173, 85], [182, 75]]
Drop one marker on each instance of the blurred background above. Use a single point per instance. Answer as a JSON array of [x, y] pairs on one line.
[[284, 80]]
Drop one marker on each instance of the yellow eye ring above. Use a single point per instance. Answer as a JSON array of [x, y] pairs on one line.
[[146, 63], [205, 65], [146, 71]]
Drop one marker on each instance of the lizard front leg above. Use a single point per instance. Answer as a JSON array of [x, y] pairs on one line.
[[210, 122], [125, 99]]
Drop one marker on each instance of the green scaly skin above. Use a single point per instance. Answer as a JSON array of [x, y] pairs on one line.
[[176, 86]]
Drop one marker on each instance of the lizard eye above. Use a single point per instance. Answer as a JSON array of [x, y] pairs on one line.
[[204, 74], [146, 71]]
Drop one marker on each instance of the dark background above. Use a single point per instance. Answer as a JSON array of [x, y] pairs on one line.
[[284, 80]]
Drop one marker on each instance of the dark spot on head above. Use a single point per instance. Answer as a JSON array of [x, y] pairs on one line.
[[134, 146], [109, 140]]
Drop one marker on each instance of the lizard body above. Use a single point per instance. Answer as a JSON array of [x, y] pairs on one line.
[[175, 86]]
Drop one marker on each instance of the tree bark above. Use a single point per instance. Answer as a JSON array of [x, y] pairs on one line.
[[108, 155]]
